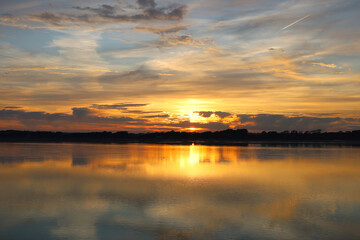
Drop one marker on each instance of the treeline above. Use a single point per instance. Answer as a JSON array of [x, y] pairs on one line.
[[239, 135]]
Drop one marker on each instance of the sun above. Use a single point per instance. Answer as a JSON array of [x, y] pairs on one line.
[[194, 129]]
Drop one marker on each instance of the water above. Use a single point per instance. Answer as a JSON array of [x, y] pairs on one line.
[[141, 191]]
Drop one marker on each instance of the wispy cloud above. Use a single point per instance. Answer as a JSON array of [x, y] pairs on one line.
[[324, 64]]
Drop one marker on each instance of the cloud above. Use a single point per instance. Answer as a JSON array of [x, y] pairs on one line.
[[277, 122], [36, 120], [93, 118], [12, 107], [146, 3], [51, 18], [324, 64], [277, 50], [148, 11], [62, 20], [23, 116], [142, 74], [17, 5], [157, 116], [161, 31], [248, 24], [95, 16], [88, 119], [186, 39], [141, 112], [119, 106], [173, 12], [28, 21], [102, 10], [222, 114], [207, 114]]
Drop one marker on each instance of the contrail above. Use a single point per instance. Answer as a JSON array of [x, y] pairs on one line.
[[295, 22]]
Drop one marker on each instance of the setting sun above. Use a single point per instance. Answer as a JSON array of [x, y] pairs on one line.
[[193, 129]]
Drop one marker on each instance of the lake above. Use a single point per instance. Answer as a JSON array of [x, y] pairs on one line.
[[148, 191]]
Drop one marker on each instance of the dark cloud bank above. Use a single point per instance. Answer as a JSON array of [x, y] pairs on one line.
[[276, 122], [90, 115]]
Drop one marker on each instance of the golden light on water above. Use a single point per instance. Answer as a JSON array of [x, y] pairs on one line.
[[182, 184], [199, 160], [192, 159]]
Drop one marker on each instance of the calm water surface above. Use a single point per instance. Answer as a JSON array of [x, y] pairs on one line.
[[140, 191]]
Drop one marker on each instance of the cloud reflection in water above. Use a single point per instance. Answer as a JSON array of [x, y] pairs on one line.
[[139, 191]]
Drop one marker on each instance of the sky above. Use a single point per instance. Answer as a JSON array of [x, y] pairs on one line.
[[161, 65]]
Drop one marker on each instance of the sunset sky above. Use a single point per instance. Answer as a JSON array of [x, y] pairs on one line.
[[159, 65]]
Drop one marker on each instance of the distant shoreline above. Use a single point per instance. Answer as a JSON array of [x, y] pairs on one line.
[[203, 143], [240, 137]]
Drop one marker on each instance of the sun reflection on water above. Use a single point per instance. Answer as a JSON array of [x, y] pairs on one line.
[[165, 191]]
